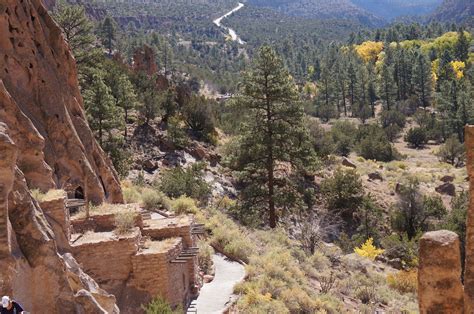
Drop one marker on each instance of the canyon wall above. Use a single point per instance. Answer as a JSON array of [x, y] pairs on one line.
[[45, 143], [42, 106]]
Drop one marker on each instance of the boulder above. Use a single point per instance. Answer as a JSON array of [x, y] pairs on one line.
[[150, 165], [447, 189], [346, 162], [198, 152], [447, 179], [439, 285], [375, 176], [395, 263]]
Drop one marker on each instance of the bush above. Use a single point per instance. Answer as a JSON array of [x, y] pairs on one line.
[[343, 134], [199, 117], [152, 200], [184, 205], [415, 212], [452, 152], [404, 281], [228, 237], [323, 141], [343, 191], [131, 194], [435, 130], [416, 137], [205, 257], [400, 246], [392, 117], [124, 221], [189, 182], [374, 144], [119, 154], [368, 250], [159, 306], [176, 133]]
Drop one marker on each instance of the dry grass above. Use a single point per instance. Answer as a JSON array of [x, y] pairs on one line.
[[48, 196]]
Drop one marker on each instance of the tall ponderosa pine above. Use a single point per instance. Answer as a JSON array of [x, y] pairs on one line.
[[387, 86], [274, 147], [108, 30], [423, 80], [325, 101]]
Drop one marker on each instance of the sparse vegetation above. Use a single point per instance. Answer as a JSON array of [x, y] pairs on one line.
[[178, 181], [153, 199], [159, 306], [124, 221], [48, 196], [452, 152], [205, 257], [404, 281], [184, 205]]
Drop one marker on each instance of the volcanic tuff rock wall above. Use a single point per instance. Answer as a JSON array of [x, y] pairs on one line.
[[45, 142], [42, 106], [439, 277]]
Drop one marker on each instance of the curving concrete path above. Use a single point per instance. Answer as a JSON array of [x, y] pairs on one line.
[[214, 296]]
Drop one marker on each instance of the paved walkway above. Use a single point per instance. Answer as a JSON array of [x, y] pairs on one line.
[[215, 295]]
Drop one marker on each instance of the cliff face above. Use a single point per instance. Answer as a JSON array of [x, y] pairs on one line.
[[42, 107], [45, 143]]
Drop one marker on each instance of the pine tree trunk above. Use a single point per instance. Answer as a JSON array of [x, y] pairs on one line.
[[126, 119], [270, 170]]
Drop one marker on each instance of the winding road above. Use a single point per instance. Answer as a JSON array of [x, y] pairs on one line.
[[215, 296], [233, 35]]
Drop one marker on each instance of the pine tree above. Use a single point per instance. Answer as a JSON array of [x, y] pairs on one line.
[[77, 29], [274, 146], [423, 81], [352, 78], [324, 102], [108, 33], [100, 106], [461, 50], [387, 86], [125, 97]]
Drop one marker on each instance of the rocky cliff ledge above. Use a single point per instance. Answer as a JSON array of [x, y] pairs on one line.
[[45, 143]]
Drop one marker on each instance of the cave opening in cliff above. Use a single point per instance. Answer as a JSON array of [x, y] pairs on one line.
[[79, 193]]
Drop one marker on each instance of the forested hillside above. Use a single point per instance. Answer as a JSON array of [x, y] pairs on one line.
[[455, 11], [390, 9], [333, 9]]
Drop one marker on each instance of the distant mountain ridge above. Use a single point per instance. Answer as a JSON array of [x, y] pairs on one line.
[[455, 11], [322, 9], [390, 9], [367, 12]]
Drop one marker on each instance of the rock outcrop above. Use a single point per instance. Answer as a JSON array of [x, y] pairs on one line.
[[42, 106], [469, 263], [45, 143], [439, 285], [29, 258]]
